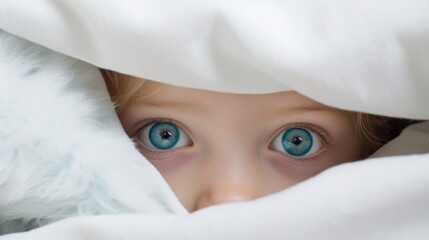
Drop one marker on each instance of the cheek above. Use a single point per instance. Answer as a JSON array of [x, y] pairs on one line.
[[168, 161], [297, 170], [180, 171], [293, 170]]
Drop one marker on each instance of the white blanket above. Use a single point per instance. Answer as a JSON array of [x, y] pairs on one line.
[[370, 56]]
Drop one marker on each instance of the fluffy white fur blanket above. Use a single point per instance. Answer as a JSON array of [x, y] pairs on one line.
[[63, 153]]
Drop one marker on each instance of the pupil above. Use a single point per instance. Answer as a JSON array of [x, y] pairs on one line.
[[297, 140], [166, 135]]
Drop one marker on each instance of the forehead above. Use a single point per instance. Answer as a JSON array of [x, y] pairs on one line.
[[164, 95], [173, 96]]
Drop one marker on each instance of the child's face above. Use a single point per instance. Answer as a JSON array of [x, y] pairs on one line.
[[215, 147]]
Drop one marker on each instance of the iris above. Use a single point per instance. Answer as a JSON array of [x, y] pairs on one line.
[[164, 135], [297, 141]]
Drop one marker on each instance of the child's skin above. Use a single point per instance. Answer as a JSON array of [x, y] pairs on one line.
[[215, 148]]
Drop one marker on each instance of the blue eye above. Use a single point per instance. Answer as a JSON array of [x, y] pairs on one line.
[[163, 135], [297, 142]]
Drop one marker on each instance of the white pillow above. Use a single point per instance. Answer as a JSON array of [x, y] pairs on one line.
[[63, 152]]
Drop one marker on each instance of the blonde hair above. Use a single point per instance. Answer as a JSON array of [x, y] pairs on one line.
[[123, 88], [373, 131]]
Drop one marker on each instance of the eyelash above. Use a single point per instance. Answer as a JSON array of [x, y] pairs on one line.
[[147, 122], [159, 154], [322, 133]]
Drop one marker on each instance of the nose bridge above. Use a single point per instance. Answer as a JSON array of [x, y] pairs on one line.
[[232, 168], [230, 178]]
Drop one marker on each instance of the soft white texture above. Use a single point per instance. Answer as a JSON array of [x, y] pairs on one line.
[[413, 140], [63, 152], [371, 200], [367, 55]]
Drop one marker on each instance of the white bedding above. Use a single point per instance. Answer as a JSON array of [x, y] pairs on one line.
[[370, 56]]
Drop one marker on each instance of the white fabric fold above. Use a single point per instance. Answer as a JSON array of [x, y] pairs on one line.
[[352, 201], [368, 55]]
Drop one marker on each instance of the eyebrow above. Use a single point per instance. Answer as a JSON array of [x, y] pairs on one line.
[[165, 104], [306, 109], [190, 106]]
